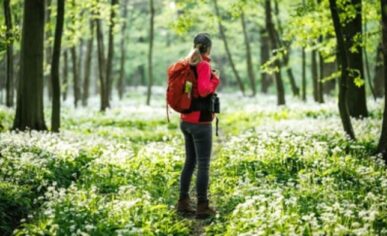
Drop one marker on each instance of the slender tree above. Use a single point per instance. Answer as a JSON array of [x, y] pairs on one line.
[[150, 52], [328, 69], [110, 55], [55, 117], [266, 79], [286, 56], [341, 44], [9, 62], [48, 49], [89, 54], [101, 66], [378, 80], [75, 67], [65, 75], [366, 62], [76, 81], [320, 84], [249, 61], [314, 71], [120, 84], [226, 47], [303, 69], [356, 94], [382, 146], [29, 109], [270, 28]]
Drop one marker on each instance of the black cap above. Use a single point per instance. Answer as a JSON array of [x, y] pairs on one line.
[[202, 40]]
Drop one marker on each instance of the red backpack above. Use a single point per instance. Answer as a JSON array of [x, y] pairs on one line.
[[181, 83]]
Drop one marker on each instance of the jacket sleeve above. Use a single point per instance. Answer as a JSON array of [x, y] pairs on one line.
[[207, 82]]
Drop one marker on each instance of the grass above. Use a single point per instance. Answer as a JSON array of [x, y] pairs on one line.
[[274, 171]]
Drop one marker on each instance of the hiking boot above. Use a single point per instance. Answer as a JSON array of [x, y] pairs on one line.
[[184, 206], [203, 211]]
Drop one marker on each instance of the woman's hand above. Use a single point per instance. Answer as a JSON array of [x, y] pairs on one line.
[[216, 73]]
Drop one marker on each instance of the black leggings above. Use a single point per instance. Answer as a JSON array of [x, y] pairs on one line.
[[198, 144]]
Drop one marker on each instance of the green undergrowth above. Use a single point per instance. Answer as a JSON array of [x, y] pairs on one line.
[[275, 171]]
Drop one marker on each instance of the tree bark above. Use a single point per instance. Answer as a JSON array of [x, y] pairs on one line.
[[121, 79], [76, 88], [9, 81], [29, 109], [356, 96], [55, 117], [110, 56], [89, 54], [320, 84], [285, 59], [65, 75], [328, 69], [150, 52], [367, 64], [379, 74], [303, 69], [226, 47], [249, 61], [48, 50], [272, 35], [102, 66], [382, 146], [266, 79], [314, 75], [341, 44]]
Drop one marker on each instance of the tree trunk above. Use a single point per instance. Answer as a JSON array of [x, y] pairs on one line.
[[367, 64], [121, 79], [150, 52], [320, 84], [48, 51], [314, 75], [343, 105], [76, 90], [303, 75], [102, 66], [29, 109], [266, 79], [303, 68], [110, 56], [356, 96], [272, 35], [89, 54], [285, 59], [226, 47], [382, 146], [142, 74], [249, 64], [55, 117], [328, 69], [9, 62], [80, 61], [379, 74], [65, 75]]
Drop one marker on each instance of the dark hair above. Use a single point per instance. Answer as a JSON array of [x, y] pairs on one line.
[[202, 41]]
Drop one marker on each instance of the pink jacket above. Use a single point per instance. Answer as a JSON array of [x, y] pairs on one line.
[[207, 82]]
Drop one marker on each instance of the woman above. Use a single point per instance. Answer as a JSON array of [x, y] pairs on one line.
[[197, 129]]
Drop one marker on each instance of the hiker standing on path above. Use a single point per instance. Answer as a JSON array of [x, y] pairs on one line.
[[197, 129]]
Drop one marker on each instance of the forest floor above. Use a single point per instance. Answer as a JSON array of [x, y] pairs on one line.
[[275, 171]]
